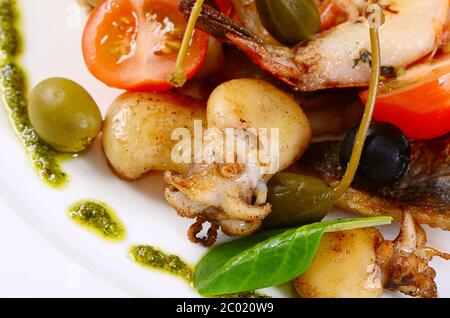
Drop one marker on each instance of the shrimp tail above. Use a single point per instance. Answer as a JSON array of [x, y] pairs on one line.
[[215, 23], [276, 59]]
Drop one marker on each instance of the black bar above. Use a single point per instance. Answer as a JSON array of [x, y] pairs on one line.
[[209, 307]]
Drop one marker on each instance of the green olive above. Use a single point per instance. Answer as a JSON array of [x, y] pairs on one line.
[[296, 200], [64, 115], [289, 21]]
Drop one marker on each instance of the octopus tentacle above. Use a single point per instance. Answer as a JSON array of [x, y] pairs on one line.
[[404, 261], [237, 208], [197, 227], [183, 206]]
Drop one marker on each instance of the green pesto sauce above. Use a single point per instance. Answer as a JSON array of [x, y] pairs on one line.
[[12, 81], [154, 258], [9, 38], [98, 217]]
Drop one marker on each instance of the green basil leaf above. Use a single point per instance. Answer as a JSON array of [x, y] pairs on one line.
[[267, 259]]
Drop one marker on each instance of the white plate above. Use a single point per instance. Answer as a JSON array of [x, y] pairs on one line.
[[52, 32]]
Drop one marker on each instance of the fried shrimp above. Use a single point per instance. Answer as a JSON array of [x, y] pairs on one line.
[[338, 57]]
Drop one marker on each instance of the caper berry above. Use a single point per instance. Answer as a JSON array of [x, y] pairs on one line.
[[296, 200], [289, 21]]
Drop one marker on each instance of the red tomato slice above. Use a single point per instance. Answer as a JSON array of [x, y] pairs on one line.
[[417, 102], [133, 44]]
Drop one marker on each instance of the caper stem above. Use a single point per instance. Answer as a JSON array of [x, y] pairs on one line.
[[178, 77], [355, 158]]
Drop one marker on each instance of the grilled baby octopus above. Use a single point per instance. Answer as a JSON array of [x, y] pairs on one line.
[[221, 194], [232, 195], [404, 262]]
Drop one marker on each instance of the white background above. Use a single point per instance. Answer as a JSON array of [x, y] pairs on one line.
[[31, 267]]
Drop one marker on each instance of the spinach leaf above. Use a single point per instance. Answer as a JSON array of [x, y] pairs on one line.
[[267, 259]]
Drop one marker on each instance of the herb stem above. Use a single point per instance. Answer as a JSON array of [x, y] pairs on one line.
[[178, 77], [353, 164], [359, 223]]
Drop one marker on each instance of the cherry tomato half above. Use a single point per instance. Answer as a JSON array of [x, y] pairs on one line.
[[224, 6], [133, 44], [417, 102]]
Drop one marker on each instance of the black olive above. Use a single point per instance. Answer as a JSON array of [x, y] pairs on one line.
[[385, 157]]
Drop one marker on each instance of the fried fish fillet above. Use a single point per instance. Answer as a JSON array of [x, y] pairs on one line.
[[424, 191]]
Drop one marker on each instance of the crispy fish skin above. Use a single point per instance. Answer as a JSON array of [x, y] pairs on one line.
[[424, 191]]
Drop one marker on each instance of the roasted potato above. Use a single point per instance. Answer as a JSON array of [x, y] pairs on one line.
[[138, 127], [250, 103], [345, 267]]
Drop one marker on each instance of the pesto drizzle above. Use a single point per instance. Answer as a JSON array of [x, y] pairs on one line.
[[154, 258], [98, 217], [12, 81]]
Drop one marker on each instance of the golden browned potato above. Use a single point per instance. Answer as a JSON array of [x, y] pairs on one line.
[[345, 267], [251, 103], [138, 127]]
